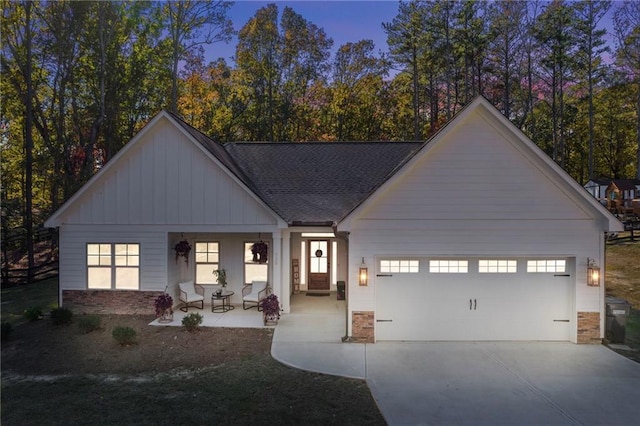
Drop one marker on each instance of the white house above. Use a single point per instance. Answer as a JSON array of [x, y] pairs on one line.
[[447, 256]]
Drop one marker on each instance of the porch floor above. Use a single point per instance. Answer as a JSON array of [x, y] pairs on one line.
[[312, 318], [237, 318]]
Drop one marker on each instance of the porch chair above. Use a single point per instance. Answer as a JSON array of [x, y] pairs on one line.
[[191, 293], [252, 294]]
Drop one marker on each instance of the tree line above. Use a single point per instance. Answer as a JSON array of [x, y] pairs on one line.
[[79, 79]]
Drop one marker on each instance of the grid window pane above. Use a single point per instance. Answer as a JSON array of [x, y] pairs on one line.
[[448, 266], [400, 266], [547, 265], [207, 260], [113, 266], [497, 266]]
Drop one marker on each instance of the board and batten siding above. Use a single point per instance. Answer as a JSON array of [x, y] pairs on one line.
[[475, 193], [167, 179], [73, 254]]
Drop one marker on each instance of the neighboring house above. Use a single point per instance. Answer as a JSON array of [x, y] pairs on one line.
[[614, 193], [623, 191], [448, 256], [598, 189]]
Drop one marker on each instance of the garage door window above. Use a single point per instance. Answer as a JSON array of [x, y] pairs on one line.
[[497, 266], [546, 265], [448, 266], [400, 266]]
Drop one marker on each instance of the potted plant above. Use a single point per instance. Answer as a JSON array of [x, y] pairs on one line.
[[221, 276], [270, 309], [183, 248], [260, 252], [164, 308]]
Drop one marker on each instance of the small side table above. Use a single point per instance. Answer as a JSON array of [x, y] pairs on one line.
[[225, 298]]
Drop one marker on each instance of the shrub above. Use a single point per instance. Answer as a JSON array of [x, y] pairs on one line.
[[33, 313], [89, 323], [7, 329], [61, 316], [124, 335], [192, 321]]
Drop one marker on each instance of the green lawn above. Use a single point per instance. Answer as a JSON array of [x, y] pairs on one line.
[[15, 300]]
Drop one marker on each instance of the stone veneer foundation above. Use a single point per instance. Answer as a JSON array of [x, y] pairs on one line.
[[589, 327], [119, 302], [362, 327]]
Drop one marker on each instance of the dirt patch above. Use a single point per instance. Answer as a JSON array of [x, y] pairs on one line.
[[41, 348]]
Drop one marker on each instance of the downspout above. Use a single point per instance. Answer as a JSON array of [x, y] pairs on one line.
[[344, 236]]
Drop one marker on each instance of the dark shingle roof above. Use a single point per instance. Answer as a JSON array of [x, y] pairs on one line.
[[309, 182], [318, 182]]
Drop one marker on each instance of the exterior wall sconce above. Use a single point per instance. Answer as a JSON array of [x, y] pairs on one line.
[[363, 274], [593, 273]]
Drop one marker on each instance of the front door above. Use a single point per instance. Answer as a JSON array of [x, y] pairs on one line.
[[319, 265]]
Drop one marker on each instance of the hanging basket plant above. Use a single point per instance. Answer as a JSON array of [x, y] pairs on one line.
[[183, 248], [260, 252]]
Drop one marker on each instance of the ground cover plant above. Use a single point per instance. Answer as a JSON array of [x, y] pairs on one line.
[[62, 375]]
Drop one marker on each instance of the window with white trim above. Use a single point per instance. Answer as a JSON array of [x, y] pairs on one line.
[[497, 266], [547, 265], [449, 266], [207, 261], [400, 266], [113, 266], [254, 271]]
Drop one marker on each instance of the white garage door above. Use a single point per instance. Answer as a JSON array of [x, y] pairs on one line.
[[474, 299]]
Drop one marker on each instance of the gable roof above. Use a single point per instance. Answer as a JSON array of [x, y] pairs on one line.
[[534, 154], [323, 183]]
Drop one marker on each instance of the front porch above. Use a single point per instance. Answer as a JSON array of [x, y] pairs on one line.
[[312, 318]]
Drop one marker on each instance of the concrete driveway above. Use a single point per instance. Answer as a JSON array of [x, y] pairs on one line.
[[468, 383], [537, 383]]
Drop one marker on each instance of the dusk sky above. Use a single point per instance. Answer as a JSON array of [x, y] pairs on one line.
[[343, 21]]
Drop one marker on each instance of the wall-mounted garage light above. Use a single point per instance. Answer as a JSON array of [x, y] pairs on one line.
[[593, 273], [363, 274]]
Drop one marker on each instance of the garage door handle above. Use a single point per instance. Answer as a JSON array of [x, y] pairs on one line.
[[470, 304], [475, 304], [384, 320]]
